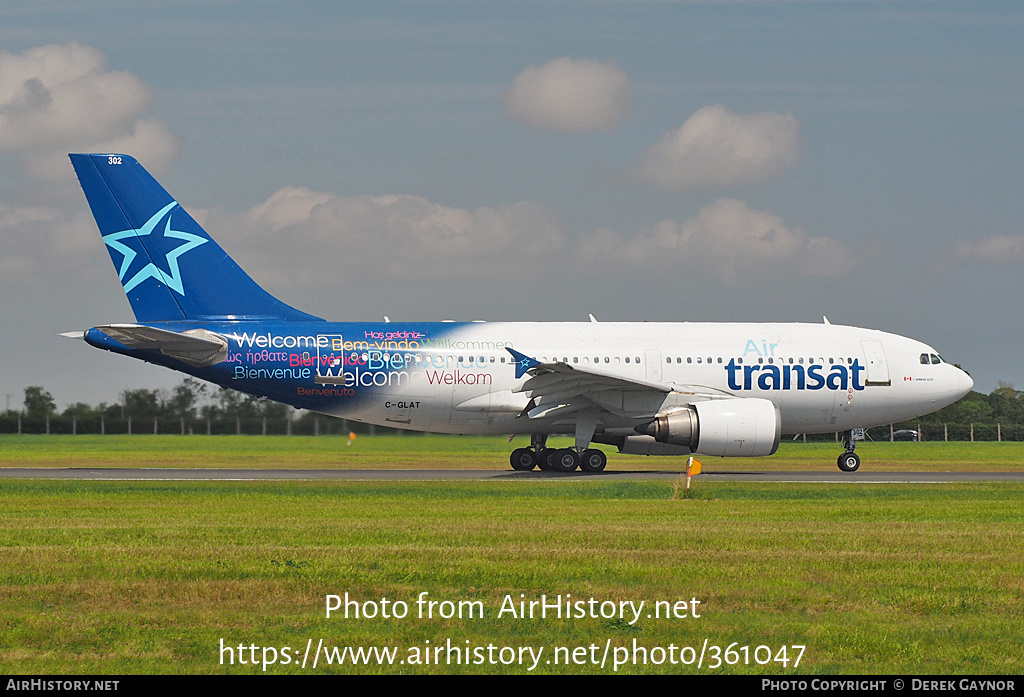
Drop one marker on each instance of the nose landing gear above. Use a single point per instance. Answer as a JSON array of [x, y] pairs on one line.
[[849, 461]]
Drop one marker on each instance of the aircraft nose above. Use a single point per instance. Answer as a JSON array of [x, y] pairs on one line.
[[965, 383]]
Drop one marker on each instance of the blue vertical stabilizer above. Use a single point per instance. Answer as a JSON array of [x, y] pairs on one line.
[[169, 267]]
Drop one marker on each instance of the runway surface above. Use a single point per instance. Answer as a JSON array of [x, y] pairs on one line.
[[141, 474]]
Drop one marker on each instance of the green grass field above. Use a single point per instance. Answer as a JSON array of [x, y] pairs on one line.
[[459, 452], [148, 577]]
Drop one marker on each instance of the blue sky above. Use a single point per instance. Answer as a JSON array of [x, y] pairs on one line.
[[885, 138]]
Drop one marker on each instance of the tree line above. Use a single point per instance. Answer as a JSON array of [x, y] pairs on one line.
[[190, 407], [198, 407]]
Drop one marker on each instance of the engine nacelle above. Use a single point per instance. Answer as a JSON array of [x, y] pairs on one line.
[[645, 445], [723, 427]]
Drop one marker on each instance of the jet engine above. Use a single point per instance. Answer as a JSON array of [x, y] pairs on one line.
[[723, 427]]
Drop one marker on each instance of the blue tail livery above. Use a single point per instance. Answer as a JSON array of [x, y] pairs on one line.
[[652, 388], [169, 267]]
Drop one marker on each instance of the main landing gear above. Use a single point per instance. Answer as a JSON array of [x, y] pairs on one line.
[[556, 460], [849, 460]]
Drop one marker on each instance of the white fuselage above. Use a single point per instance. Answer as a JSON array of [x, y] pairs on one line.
[[823, 378]]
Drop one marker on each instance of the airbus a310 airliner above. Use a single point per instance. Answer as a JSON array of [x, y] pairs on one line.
[[724, 389]]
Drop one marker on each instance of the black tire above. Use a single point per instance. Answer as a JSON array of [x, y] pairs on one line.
[[566, 460], [848, 462], [544, 459], [593, 460], [523, 459]]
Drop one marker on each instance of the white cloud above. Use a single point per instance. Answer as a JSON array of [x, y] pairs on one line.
[[726, 238], [998, 249], [715, 148], [569, 95], [54, 100], [41, 242], [62, 98], [321, 240]]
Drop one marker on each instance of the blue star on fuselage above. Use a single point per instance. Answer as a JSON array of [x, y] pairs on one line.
[[523, 363], [172, 277]]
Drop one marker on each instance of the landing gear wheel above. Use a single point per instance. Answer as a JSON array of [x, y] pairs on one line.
[[544, 459], [566, 460], [849, 462], [523, 459], [593, 460]]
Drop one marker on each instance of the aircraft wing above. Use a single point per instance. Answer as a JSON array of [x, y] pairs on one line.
[[197, 347], [557, 389]]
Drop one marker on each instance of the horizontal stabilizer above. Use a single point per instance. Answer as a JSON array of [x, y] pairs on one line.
[[196, 347]]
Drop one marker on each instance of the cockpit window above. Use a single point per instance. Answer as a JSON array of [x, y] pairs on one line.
[[924, 359], [935, 359]]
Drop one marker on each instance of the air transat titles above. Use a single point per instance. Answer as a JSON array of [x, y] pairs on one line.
[[794, 377]]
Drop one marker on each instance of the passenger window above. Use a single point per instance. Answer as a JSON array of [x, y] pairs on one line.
[[627, 359]]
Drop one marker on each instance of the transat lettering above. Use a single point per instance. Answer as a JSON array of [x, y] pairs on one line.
[[795, 377]]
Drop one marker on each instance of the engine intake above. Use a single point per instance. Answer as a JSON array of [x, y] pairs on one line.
[[723, 427]]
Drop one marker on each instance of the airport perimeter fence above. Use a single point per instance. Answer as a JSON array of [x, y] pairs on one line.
[[174, 425], [931, 432], [318, 425]]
